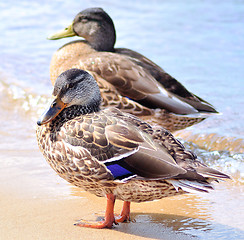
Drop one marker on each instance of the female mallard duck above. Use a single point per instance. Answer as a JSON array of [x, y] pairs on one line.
[[127, 79], [114, 154]]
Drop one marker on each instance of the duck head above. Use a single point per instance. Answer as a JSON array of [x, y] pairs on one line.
[[72, 87], [93, 24]]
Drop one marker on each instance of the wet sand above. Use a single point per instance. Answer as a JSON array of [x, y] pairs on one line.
[[42, 218], [53, 219]]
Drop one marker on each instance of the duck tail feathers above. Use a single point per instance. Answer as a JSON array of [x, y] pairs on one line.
[[191, 186]]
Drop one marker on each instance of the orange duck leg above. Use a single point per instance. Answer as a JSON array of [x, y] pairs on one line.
[[109, 219], [125, 213]]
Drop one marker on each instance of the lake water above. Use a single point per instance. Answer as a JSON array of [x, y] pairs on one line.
[[200, 43]]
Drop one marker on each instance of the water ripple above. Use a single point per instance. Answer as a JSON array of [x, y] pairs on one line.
[[223, 160]]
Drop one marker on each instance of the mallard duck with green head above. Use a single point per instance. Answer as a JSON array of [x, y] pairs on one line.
[[127, 80], [114, 154]]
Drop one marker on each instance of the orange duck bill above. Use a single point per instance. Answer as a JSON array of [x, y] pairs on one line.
[[52, 111]]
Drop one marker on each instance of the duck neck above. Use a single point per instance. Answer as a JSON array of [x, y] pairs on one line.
[[77, 110], [71, 113], [103, 41]]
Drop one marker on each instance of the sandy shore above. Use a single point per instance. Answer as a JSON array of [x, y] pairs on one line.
[[53, 219], [29, 217]]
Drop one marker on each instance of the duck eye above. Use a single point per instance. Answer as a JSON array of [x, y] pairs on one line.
[[84, 20], [70, 85]]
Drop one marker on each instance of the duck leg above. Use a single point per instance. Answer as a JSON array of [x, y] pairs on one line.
[[109, 219], [125, 213]]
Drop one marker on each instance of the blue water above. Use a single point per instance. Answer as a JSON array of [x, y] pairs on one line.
[[200, 43]]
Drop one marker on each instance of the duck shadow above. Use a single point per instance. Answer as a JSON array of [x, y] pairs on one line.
[[168, 227]]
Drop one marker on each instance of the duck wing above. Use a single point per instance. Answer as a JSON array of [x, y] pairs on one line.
[[147, 160], [194, 169], [135, 82], [167, 81], [125, 150]]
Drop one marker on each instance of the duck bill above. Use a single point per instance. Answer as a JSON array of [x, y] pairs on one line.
[[54, 109], [67, 32]]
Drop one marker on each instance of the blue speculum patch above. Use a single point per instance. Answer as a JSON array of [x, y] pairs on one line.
[[118, 171]]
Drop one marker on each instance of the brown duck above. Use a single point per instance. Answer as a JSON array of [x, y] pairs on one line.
[[114, 154], [127, 80]]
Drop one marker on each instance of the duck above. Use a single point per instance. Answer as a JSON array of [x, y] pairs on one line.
[[114, 154], [127, 79]]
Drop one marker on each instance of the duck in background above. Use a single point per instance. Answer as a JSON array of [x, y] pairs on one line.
[[114, 154], [127, 80]]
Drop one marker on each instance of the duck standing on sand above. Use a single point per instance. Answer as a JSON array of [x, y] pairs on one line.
[[127, 80], [114, 154]]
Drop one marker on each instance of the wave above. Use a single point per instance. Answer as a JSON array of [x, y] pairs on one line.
[[222, 153], [21, 99], [213, 141]]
